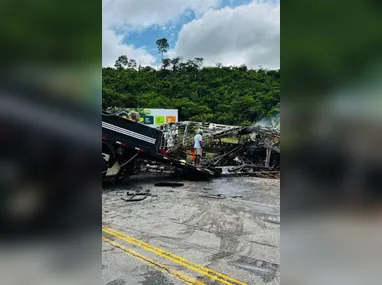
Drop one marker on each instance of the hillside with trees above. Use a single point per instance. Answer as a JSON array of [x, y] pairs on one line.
[[221, 94]]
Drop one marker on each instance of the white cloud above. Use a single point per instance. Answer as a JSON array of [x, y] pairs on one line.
[[233, 36], [112, 48], [171, 53], [144, 13], [128, 15], [243, 35]]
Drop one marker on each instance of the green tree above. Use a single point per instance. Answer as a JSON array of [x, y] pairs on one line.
[[232, 95], [175, 63], [163, 46], [199, 61], [166, 63], [132, 63], [121, 62]]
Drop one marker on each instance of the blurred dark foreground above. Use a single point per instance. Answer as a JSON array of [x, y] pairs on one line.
[[50, 97], [50, 191], [331, 121], [331, 192], [48, 162]]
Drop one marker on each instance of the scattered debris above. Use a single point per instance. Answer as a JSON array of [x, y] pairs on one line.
[[136, 196], [169, 184], [235, 150], [217, 196], [154, 167]]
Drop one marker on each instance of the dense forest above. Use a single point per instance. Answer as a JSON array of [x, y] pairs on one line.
[[220, 94]]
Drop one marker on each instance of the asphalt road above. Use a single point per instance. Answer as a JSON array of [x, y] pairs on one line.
[[187, 235]]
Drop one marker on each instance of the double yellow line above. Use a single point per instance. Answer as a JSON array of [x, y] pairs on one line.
[[151, 262], [222, 278]]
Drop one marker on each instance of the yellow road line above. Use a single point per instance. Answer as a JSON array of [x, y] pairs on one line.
[[177, 259], [175, 273]]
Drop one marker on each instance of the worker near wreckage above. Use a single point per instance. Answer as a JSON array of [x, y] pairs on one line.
[[198, 144]]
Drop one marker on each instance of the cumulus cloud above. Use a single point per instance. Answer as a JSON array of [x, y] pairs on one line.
[[128, 15], [233, 36], [144, 13], [247, 34], [113, 47]]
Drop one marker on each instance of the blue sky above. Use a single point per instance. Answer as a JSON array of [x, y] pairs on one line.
[[177, 21], [147, 38]]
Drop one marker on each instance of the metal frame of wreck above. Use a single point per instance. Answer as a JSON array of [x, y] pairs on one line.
[[179, 137]]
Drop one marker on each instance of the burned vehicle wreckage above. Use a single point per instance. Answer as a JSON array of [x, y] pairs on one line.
[[130, 147], [235, 150]]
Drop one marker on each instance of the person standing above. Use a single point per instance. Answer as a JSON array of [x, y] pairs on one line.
[[198, 144]]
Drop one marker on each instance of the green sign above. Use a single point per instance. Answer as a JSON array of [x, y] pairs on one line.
[[160, 120]]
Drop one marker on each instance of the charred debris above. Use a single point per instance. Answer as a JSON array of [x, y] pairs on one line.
[[236, 150]]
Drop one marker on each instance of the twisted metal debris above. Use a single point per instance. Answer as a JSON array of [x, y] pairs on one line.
[[237, 150]]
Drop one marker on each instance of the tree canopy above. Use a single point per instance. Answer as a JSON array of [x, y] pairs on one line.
[[163, 46], [223, 94]]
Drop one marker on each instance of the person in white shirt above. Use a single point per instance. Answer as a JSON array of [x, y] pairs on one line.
[[198, 144]]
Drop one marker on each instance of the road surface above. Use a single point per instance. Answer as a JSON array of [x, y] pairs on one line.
[[188, 235]]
